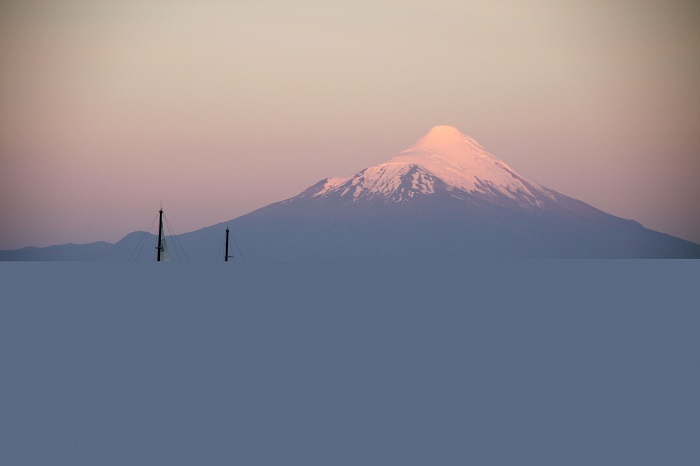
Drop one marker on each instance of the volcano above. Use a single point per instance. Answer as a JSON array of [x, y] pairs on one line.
[[446, 198], [443, 199], [446, 163]]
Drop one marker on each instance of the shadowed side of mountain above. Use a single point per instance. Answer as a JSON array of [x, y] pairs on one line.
[[424, 232], [438, 232]]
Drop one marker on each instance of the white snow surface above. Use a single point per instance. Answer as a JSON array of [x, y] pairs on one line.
[[331, 184], [445, 154]]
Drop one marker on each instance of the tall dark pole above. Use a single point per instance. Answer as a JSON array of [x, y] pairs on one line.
[[160, 235], [226, 253]]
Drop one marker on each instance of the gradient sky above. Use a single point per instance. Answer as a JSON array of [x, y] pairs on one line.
[[221, 107]]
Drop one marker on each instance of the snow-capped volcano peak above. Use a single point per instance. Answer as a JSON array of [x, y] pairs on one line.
[[448, 142], [444, 160]]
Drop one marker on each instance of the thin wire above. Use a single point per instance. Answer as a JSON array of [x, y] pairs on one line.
[[172, 233], [174, 242], [140, 244], [177, 239], [239, 249], [221, 246], [141, 241]]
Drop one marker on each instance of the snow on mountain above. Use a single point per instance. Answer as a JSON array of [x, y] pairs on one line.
[[443, 199], [444, 160]]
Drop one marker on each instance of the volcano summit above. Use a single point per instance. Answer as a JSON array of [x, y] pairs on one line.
[[444, 161], [443, 199]]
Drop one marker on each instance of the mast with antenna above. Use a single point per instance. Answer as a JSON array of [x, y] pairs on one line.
[[160, 235], [226, 256]]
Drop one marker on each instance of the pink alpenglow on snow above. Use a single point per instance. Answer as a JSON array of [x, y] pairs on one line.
[[444, 156]]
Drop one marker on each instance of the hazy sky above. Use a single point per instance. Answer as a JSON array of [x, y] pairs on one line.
[[220, 107]]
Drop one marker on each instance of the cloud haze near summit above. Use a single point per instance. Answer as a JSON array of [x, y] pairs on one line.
[[218, 108]]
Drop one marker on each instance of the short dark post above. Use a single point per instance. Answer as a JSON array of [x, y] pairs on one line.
[[226, 253]]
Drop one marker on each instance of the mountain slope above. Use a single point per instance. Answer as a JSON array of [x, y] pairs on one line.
[[443, 199], [448, 164], [444, 160]]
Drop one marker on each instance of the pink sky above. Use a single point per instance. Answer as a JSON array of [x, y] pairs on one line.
[[218, 108]]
